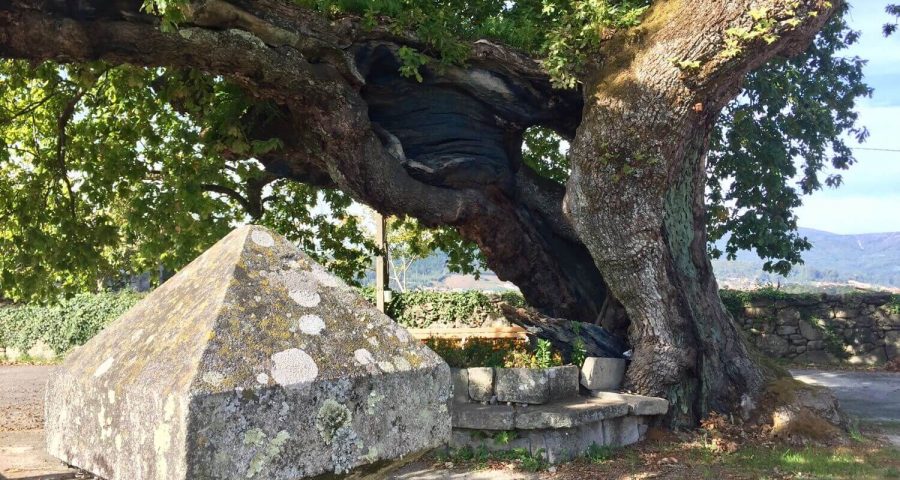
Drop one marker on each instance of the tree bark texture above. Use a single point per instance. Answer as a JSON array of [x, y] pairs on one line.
[[636, 193]]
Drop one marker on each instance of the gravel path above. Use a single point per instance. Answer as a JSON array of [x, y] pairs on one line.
[[21, 397]]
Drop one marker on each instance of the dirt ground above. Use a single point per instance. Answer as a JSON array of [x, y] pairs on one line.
[[872, 397], [21, 397]]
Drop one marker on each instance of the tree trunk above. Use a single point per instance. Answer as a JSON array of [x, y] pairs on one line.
[[636, 195], [447, 150]]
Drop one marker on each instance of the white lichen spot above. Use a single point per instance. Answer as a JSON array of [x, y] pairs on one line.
[[363, 357], [386, 367], [311, 324], [118, 441], [293, 366], [305, 298], [104, 367], [324, 278], [111, 396], [213, 378], [261, 238], [137, 334], [262, 379], [373, 341], [257, 298], [401, 363]]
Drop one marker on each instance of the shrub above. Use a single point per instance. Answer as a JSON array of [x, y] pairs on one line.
[[497, 353], [70, 323]]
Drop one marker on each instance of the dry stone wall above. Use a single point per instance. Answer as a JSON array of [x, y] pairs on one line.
[[854, 328]]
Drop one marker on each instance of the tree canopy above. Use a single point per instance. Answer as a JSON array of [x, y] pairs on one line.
[[117, 169]]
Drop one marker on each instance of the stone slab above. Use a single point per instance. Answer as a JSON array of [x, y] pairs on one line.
[[563, 382], [599, 373], [483, 417], [251, 362], [637, 404], [559, 414], [522, 385], [569, 413], [481, 383], [563, 444], [459, 380]]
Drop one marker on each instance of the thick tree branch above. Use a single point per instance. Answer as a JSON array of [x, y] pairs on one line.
[[452, 161]]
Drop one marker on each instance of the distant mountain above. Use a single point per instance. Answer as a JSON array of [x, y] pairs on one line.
[[869, 258], [872, 258]]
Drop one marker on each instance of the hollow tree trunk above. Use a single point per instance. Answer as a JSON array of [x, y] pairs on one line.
[[636, 193]]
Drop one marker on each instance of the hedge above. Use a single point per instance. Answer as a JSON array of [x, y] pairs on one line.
[[70, 323], [423, 308]]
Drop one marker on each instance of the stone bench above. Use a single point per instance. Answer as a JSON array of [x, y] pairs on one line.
[[514, 385], [560, 430]]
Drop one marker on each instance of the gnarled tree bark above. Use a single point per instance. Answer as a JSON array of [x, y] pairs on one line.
[[636, 193]]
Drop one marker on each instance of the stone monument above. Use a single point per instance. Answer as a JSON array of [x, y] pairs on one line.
[[251, 362]]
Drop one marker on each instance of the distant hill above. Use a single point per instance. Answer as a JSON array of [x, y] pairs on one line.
[[869, 258], [872, 258]]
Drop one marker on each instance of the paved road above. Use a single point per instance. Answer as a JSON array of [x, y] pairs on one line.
[[872, 397]]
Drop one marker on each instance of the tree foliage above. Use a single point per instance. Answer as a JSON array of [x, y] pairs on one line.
[[775, 142], [111, 171]]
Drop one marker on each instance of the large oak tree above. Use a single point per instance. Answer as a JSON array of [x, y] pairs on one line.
[[396, 107]]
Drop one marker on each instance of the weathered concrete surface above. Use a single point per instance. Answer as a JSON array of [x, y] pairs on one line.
[[481, 383], [637, 404], [601, 373], [522, 385], [563, 382], [562, 444], [459, 378], [252, 362], [871, 397]]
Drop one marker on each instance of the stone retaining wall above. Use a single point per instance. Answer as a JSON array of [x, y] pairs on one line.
[[855, 328]]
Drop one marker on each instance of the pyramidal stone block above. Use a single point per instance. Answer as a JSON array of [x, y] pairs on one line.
[[251, 362]]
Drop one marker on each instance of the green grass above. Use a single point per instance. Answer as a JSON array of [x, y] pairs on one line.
[[819, 463], [599, 454]]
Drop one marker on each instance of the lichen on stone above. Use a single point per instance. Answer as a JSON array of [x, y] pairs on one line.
[[262, 238], [266, 455], [311, 324], [331, 417], [293, 366], [363, 357]]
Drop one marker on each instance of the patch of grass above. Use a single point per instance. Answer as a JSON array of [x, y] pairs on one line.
[[480, 457], [599, 454], [820, 463]]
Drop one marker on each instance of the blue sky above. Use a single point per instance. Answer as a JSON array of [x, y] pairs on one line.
[[869, 199]]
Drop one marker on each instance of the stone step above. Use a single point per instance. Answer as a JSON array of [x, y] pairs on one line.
[[567, 413], [637, 404]]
